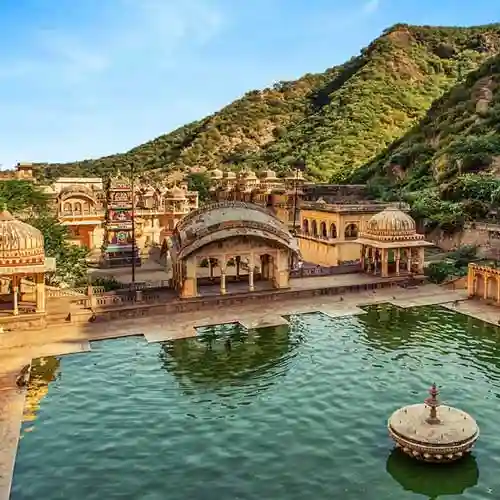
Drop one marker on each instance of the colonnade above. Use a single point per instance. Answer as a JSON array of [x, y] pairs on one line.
[[379, 260], [271, 265], [483, 282]]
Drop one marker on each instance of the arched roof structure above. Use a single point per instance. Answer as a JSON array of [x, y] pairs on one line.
[[224, 220], [77, 190]]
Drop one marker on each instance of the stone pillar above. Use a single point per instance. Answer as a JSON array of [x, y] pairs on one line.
[[40, 292], [251, 286], [222, 265], [15, 292], [398, 259], [189, 282], [385, 269], [409, 259], [470, 282], [210, 270], [486, 286]]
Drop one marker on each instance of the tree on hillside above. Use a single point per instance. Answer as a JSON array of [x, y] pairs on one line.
[[200, 181], [71, 267], [22, 196]]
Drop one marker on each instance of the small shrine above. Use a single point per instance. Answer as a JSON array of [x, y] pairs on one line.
[[424, 433], [119, 245], [391, 246]]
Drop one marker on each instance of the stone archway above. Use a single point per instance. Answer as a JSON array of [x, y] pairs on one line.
[[305, 226], [492, 288], [314, 228], [351, 231], [323, 232], [333, 231]]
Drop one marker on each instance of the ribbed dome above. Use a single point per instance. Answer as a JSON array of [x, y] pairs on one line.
[[21, 245], [391, 225]]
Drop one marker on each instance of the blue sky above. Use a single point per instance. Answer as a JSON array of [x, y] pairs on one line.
[[85, 78]]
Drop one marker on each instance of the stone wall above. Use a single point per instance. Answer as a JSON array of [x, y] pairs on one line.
[[336, 192], [326, 253], [486, 236]]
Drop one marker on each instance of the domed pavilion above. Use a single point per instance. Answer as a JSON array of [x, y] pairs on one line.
[[22, 256], [391, 246]]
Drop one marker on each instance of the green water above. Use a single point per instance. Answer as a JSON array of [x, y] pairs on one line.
[[293, 413]]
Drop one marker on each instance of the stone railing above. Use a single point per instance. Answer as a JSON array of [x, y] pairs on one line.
[[326, 271], [117, 300], [348, 207], [145, 285], [73, 292]]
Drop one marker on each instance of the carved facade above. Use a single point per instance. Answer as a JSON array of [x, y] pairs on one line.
[[81, 204], [244, 236]]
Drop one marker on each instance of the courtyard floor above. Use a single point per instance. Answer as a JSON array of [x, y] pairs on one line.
[[17, 349]]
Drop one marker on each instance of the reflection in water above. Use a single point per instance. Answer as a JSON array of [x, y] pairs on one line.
[[228, 355], [380, 318], [429, 480], [390, 328], [43, 371]]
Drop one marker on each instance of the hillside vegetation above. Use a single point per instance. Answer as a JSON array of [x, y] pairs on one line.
[[338, 121], [448, 165]]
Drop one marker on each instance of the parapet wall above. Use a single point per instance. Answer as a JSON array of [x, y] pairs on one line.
[[334, 193]]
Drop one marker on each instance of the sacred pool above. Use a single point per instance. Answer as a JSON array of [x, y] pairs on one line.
[[285, 413]]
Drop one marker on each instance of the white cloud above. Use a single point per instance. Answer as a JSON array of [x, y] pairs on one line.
[[135, 28], [371, 6]]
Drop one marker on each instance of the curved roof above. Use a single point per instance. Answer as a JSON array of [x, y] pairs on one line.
[[21, 246], [223, 220]]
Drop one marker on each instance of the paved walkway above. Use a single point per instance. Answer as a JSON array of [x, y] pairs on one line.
[[17, 349]]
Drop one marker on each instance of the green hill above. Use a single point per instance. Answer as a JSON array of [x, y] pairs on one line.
[[338, 121], [448, 165]]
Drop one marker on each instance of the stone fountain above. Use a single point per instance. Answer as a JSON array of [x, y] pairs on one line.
[[423, 433]]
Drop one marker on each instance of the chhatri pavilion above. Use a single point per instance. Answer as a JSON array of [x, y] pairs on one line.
[[232, 233], [390, 244], [22, 267]]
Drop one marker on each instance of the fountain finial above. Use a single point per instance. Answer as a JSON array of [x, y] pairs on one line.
[[433, 403]]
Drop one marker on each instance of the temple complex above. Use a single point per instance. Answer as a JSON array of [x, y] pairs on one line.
[[232, 233], [102, 224]]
